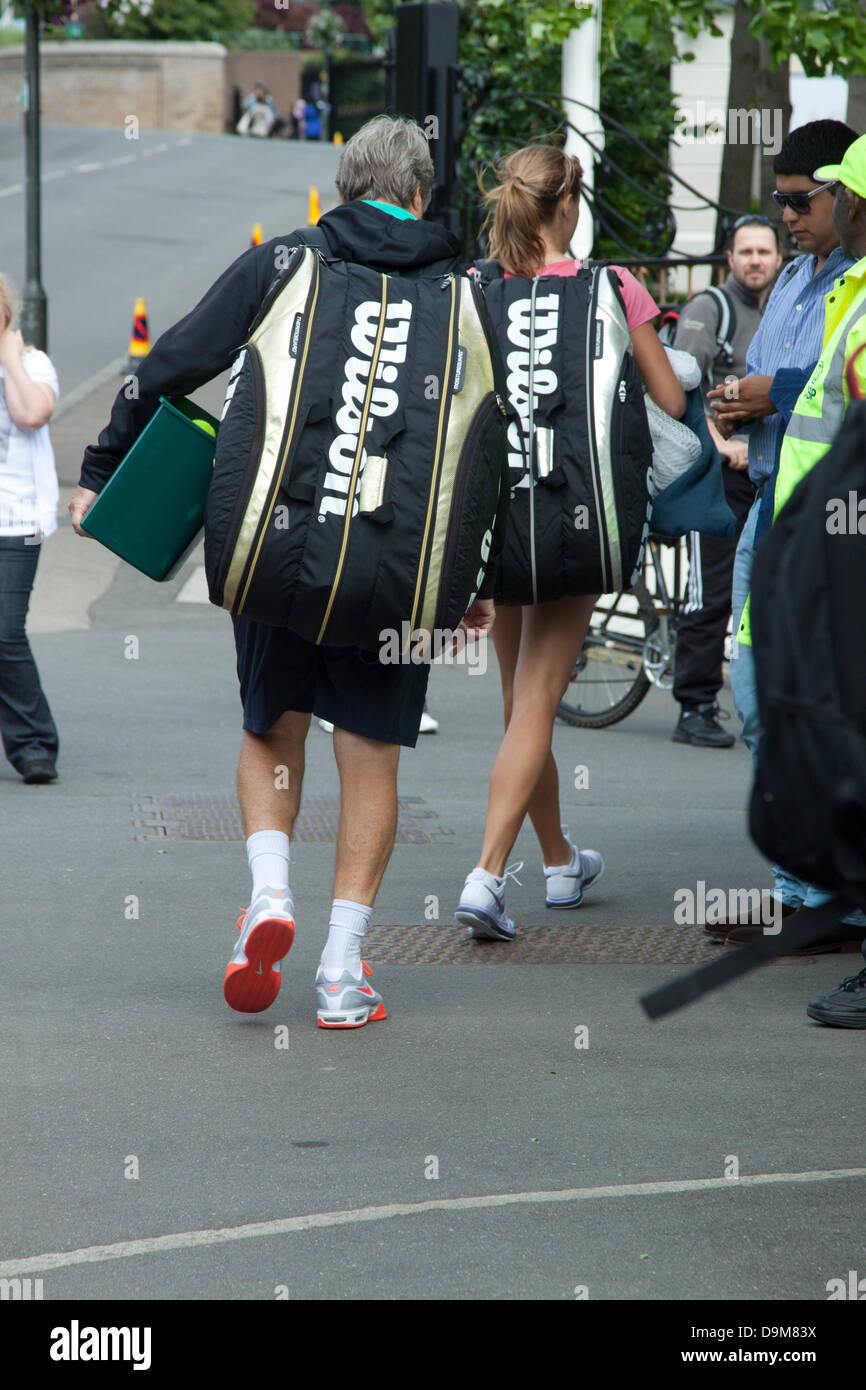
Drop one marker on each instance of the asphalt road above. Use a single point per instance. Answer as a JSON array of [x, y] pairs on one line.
[[160, 217]]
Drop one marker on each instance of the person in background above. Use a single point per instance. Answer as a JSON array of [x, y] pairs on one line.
[[754, 261], [299, 120], [28, 513], [313, 122], [260, 114]]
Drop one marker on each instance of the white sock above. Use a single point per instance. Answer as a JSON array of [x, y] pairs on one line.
[[268, 855], [575, 854], [343, 947]]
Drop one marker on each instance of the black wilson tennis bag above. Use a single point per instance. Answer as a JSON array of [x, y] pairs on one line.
[[360, 460], [579, 447]]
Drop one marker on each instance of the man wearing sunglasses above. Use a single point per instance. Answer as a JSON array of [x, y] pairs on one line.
[[779, 362], [814, 422]]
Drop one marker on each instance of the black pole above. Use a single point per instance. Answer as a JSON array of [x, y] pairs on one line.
[[34, 316]]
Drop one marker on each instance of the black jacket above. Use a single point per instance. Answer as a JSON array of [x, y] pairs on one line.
[[206, 342]]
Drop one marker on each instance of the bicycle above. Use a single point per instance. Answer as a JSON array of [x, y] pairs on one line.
[[631, 641]]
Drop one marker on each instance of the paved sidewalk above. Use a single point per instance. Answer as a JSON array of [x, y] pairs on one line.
[[139, 1106]]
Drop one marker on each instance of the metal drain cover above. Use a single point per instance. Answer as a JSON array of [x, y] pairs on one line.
[[205, 818], [432, 945]]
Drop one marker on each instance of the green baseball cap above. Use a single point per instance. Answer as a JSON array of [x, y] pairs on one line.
[[852, 170]]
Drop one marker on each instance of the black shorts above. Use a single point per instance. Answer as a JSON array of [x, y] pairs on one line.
[[279, 671]]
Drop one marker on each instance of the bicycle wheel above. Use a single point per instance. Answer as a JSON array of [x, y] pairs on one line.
[[608, 680]]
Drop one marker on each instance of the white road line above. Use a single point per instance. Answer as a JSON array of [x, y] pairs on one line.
[[55, 174], [87, 168], [124, 159], [13, 188], [186, 1240], [195, 589]]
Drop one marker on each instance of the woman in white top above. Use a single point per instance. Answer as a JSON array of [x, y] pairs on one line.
[[28, 513]]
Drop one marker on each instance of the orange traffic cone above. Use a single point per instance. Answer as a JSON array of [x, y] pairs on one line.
[[139, 343], [314, 212], [256, 239]]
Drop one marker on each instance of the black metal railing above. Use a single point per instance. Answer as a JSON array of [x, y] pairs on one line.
[[611, 224]]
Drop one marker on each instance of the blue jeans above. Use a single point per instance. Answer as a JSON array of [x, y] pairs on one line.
[[28, 731], [792, 890]]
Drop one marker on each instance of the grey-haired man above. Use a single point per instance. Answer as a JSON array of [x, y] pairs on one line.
[[385, 178]]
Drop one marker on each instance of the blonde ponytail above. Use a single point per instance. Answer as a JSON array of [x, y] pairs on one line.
[[531, 183]]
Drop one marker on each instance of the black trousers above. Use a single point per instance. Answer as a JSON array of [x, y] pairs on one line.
[[27, 728], [704, 622]]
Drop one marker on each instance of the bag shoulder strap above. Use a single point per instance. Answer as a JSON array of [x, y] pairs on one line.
[[315, 237], [489, 270], [727, 320]]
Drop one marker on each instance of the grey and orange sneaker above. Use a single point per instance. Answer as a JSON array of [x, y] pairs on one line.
[[267, 930], [347, 1002]]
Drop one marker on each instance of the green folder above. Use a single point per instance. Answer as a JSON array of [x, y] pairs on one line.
[[151, 510]]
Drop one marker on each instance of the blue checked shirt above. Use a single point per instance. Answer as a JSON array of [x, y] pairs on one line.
[[791, 334]]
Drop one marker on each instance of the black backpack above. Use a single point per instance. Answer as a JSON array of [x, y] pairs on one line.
[[579, 446], [725, 328], [808, 621], [359, 472]]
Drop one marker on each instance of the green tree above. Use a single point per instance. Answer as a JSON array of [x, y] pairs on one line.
[[830, 37], [640, 40], [152, 19], [511, 60]]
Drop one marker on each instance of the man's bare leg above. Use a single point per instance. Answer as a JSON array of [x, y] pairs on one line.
[[368, 814], [365, 839], [271, 773]]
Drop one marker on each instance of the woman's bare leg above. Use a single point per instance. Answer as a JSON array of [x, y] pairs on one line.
[[524, 777]]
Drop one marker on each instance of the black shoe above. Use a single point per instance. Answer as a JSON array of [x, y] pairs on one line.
[[829, 934], [700, 725], [843, 1007], [752, 917], [41, 770]]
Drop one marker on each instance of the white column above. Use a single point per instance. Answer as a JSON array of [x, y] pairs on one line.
[[581, 82]]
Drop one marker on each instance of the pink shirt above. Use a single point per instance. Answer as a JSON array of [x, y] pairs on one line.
[[640, 306]]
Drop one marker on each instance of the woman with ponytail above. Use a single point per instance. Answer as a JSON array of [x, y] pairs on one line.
[[533, 215]]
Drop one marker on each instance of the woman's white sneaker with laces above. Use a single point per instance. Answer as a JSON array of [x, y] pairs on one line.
[[482, 905], [566, 882]]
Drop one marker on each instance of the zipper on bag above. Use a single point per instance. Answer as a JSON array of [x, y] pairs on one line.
[[533, 570], [485, 410], [427, 538], [356, 462], [246, 487], [285, 444], [590, 420]]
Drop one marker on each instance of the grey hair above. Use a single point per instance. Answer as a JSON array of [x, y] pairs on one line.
[[386, 159]]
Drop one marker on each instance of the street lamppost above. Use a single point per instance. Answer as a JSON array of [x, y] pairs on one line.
[[34, 316]]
